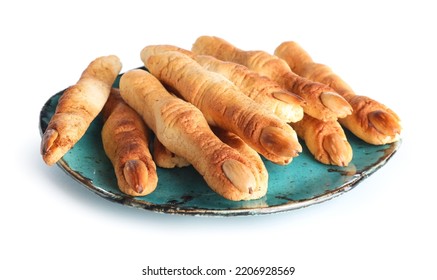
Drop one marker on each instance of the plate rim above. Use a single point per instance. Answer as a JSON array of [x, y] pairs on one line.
[[131, 201]]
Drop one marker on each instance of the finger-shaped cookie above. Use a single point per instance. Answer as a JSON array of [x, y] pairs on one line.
[[326, 141], [125, 140], [370, 120], [78, 106]]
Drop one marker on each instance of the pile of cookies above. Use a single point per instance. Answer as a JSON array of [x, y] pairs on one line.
[[218, 108]]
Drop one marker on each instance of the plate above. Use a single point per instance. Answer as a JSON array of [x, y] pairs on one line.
[[183, 191]]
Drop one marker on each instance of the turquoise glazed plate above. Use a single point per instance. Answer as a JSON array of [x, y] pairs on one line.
[[183, 191]]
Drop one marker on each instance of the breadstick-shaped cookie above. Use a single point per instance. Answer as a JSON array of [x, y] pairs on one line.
[[371, 121], [224, 105], [321, 101], [78, 106], [125, 140], [182, 128], [326, 141], [268, 93]]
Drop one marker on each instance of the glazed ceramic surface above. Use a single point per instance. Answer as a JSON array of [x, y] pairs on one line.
[[183, 191]]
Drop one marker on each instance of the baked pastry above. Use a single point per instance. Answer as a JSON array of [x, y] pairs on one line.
[[326, 141], [224, 105], [78, 106], [125, 140], [182, 128], [371, 121], [321, 101]]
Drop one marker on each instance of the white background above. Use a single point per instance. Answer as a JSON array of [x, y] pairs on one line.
[[53, 228]]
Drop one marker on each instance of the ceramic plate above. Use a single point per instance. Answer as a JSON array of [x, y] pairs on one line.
[[302, 183]]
